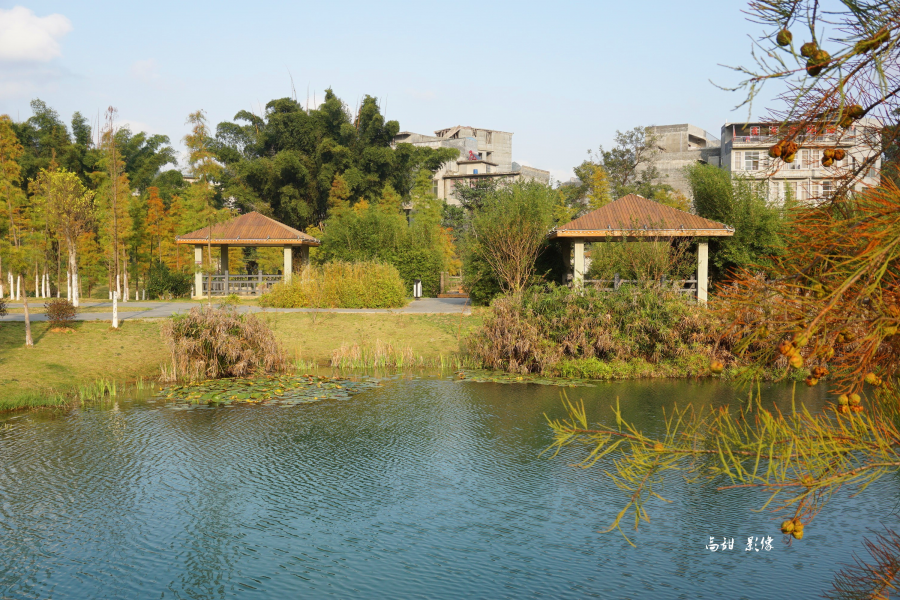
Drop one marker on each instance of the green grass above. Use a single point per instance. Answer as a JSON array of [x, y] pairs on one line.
[[61, 363]]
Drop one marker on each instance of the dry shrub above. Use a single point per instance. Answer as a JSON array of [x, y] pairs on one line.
[[60, 313], [340, 285], [210, 342], [543, 327]]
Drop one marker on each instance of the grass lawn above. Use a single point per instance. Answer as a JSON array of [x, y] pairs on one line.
[[59, 361]]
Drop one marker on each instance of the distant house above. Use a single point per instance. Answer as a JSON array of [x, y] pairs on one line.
[[483, 154]]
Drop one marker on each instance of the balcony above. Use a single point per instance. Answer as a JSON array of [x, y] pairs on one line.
[[847, 138]]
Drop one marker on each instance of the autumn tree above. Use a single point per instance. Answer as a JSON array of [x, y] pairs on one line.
[[69, 208], [829, 308]]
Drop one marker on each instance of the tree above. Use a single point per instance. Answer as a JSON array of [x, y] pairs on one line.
[[830, 305], [69, 208], [631, 164], [759, 225], [509, 229]]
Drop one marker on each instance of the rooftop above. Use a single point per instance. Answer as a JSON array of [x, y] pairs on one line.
[[635, 216], [251, 229]]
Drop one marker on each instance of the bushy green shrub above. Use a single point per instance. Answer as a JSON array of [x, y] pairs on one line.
[[418, 249], [340, 285], [162, 282], [59, 312], [210, 342], [548, 327]]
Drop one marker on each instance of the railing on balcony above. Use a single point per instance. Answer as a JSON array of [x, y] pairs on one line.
[[848, 137], [242, 285]]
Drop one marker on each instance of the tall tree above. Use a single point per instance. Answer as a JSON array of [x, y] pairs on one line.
[[69, 208]]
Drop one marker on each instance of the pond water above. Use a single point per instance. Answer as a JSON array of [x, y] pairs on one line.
[[420, 488]]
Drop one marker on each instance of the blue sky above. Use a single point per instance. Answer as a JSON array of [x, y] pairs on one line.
[[563, 76]]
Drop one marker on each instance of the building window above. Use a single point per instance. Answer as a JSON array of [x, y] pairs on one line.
[[827, 188], [773, 129], [751, 160], [475, 171], [480, 156], [754, 131], [808, 158], [737, 161], [487, 137]]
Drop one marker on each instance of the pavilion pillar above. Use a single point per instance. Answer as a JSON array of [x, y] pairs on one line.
[[566, 250], [578, 266], [702, 272], [223, 259], [288, 264], [198, 271]]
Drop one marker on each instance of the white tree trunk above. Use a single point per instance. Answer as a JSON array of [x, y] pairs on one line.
[[127, 291], [73, 267], [68, 284], [12, 288], [118, 293], [115, 321], [29, 342], [19, 288]]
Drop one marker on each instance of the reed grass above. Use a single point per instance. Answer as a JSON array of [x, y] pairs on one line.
[[340, 285], [382, 355]]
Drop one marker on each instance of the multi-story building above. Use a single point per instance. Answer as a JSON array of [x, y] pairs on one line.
[[745, 152], [680, 146], [483, 154]]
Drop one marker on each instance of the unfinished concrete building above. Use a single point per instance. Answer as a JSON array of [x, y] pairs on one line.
[[680, 146], [483, 154]]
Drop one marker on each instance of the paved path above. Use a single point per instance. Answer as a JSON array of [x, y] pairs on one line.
[[152, 310]]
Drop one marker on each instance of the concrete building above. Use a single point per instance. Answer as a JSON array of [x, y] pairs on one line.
[[745, 152], [483, 154], [680, 146]]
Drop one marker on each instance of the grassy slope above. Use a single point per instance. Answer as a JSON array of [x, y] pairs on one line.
[[62, 360]]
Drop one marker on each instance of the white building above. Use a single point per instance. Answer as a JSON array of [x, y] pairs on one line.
[[745, 152], [483, 154]]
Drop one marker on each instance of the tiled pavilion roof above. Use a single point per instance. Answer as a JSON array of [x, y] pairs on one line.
[[251, 229], [635, 216]]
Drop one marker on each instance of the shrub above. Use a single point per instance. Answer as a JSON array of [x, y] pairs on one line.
[[340, 285], [419, 249], [165, 283], [545, 328], [209, 342], [644, 260], [3, 307], [59, 312]]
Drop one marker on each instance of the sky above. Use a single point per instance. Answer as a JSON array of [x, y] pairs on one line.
[[562, 76]]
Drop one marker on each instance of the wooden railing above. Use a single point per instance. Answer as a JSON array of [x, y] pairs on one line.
[[451, 284], [242, 285], [681, 286]]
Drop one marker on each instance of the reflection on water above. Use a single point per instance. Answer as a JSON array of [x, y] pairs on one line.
[[422, 488]]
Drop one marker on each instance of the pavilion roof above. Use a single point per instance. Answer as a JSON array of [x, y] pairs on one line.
[[636, 216], [250, 229]]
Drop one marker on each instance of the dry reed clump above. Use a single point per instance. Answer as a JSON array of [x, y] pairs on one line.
[[208, 343], [340, 285], [543, 328]]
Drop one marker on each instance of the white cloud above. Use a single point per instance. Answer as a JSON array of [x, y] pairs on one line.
[[424, 95], [25, 37], [145, 70]]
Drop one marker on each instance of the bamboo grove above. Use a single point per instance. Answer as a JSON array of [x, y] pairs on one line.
[[828, 305]]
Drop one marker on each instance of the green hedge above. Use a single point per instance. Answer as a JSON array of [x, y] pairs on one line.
[[340, 285]]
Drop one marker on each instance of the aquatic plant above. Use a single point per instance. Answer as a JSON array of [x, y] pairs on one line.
[[208, 343], [546, 327]]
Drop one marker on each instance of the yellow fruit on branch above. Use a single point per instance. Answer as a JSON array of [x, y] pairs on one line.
[[808, 49], [828, 153], [811, 381], [854, 399], [786, 349], [839, 154], [716, 366], [787, 526], [843, 399], [873, 379], [797, 361], [855, 111], [784, 38]]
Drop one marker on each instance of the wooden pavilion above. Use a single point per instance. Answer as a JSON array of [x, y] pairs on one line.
[[635, 218], [252, 230]]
